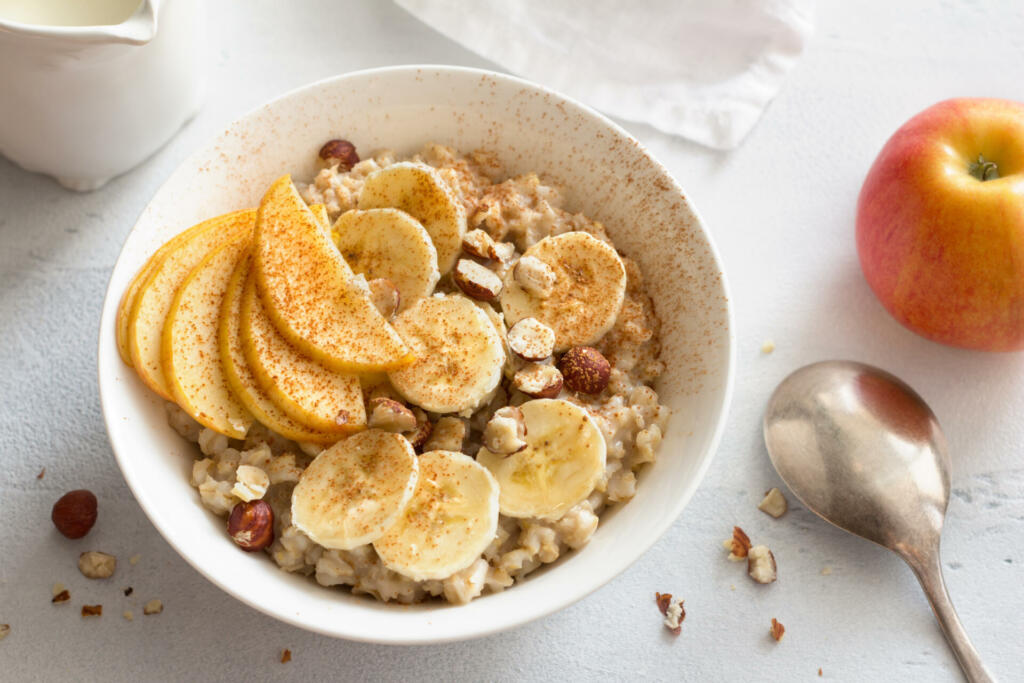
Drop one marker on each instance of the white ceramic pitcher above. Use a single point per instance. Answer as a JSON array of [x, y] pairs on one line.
[[85, 103]]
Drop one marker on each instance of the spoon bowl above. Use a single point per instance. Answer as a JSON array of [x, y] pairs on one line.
[[864, 452]]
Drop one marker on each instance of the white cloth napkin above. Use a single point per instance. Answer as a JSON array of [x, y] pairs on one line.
[[702, 69]]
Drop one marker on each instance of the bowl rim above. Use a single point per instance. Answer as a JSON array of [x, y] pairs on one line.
[[614, 565]]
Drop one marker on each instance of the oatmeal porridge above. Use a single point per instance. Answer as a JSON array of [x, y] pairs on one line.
[[448, 406]]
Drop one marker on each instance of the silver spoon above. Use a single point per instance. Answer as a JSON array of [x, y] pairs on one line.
[[863, 451]]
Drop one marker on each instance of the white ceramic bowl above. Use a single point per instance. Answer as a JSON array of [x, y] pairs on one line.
[[604, 173]]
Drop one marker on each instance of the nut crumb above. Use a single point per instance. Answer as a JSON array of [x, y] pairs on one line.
[[127, 614], [128, 591], [673, 611], [42, 473], [286, 656], [738, 546], [5, 630], [92, 610], [761, 565], [61, 597], [134, 559], [96, 565], [777, 630], [825, 571], [768, 346], [154, 606], [773, 503]]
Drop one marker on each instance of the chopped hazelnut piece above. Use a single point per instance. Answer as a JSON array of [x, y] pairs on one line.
[[251, 483], [774, 503], [738, 545], [535, 276], [61, 597], [777, 630], [504, 251], [505, 433], [449, 434], [761, 564], [538, 381], [673, 611], [476, 281], [92, 610], [478, 243], [286, 656], [5, 630], [424, 427], [530, 339], [385, 296], [97, 565], [390, 415], [154, 606]]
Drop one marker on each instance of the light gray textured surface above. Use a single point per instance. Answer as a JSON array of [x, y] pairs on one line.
[[781, 210]]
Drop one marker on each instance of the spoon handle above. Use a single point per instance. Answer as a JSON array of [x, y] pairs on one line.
[[929, 573]]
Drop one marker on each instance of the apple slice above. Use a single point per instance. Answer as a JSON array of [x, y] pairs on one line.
[[311, 294], [311, 394], [240, 377], [131, 292], [391, 244], [146, 321], [191, 358]]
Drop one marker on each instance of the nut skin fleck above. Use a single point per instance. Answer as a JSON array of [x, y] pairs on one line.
[[342, 150], [777, 630], [286, 656], [585, 370], [128, 591], [92, 610], [74, 513], [251, 525], [42, 473], [61, 597]]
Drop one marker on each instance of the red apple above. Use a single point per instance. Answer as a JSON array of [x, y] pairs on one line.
[[940, 224]]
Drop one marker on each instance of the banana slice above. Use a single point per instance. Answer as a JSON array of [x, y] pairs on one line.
[[355, 490], [451, 519], [420, 191], [459, 355], [562, 462], [190, 357], [149, 311], [245, 386], [590, 283], [315, 396], [388, 243]]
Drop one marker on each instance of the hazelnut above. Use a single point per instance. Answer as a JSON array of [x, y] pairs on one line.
[[476, 281], [421, 433], [761, 565], [74, 513], [449, 434], [478, 243], [774, 503], [538, 381], [505, 432], [504, 252], [530, 339], [97, 565], [385, 296], [585, 370], [390, 415], [251, 525], [154, 606], [738, 545], [342, 151], [535, 276]]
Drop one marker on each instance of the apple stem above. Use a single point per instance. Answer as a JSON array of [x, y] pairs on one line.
[[983, 170]]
